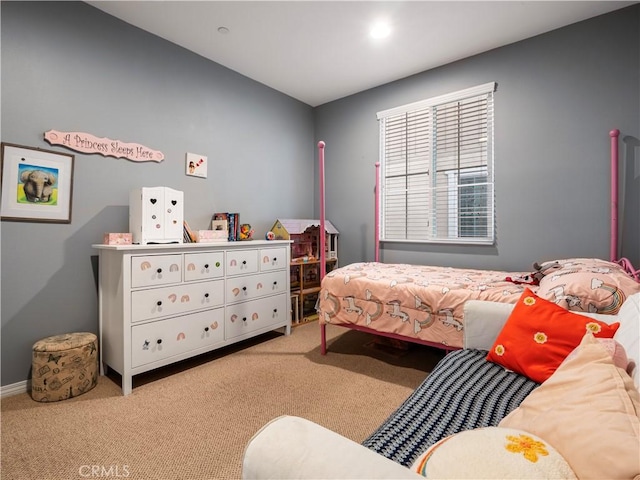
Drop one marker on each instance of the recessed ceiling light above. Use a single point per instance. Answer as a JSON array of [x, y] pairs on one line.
[[223, 30], [380, 30]]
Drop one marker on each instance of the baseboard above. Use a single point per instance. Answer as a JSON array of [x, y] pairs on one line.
[[14, 389]]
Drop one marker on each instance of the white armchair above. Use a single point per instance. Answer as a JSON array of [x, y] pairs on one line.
[[294, 448]]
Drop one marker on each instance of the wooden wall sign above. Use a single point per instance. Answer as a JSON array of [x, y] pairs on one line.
[[87, 143]]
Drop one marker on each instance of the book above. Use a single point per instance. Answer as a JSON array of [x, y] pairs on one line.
[[232, 227], [188, 236]]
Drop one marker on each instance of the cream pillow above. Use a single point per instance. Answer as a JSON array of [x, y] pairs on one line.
[[491, 453], [589, 410]]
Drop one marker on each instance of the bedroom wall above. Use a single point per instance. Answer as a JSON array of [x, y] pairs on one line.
[[559, 94], [70, 67]]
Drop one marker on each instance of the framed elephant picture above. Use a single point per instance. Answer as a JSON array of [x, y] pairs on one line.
[[37, 185]]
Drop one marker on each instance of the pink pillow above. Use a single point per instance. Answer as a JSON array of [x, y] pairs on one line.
[[615, 350], [588, 285]]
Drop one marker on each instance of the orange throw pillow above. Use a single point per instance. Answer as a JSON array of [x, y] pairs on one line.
[[539, 334]]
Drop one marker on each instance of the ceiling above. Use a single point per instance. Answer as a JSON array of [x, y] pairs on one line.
[[319, 51]]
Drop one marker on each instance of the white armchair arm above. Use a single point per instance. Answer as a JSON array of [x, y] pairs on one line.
[[483, 321], [294, 448]]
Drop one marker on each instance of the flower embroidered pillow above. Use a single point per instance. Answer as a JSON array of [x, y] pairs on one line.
[[538, 335], [491, 453]]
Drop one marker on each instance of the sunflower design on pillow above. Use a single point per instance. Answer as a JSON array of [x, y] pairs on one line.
[[593, 327], [540, 337], [526, 445]]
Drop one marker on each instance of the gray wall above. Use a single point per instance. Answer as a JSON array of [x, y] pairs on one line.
[[70, 67], [558, 96]]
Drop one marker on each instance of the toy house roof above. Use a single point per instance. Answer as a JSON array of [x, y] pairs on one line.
[[296, 226]]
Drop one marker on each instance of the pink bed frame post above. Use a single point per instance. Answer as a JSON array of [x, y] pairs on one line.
[[323, 267], [613, 251], [377, 214]]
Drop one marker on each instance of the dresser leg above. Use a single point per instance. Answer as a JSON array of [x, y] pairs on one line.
[[126, 384]]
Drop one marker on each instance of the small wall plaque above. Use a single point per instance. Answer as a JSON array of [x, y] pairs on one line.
[[196, 165]]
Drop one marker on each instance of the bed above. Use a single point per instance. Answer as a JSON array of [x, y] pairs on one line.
[[424, 304]]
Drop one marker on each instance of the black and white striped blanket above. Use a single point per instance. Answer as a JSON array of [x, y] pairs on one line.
[[463, 392]]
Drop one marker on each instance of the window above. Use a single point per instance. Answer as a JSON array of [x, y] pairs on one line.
[[437, 169]]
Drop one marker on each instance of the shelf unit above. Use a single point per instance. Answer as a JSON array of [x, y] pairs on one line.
[[305, 287]]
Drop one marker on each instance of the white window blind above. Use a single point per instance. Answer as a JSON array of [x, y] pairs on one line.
[[437, 182]]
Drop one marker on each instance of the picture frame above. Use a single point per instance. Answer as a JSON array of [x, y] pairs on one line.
[[196, 165], [220, 226], [37, 184]]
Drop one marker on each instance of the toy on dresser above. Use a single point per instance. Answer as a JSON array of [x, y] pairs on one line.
[[246, 232], [156, 215]]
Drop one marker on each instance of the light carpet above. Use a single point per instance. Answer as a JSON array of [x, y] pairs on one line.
[[193, 420]]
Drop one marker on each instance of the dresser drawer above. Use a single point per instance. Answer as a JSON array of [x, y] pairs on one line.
[[201, 266], [150, 270], [272, 259], [156, 341], [241, 261], [247, 317], [175, 300], [253, 286]]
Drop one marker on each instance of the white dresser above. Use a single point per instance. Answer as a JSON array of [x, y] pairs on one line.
[[162, 303]]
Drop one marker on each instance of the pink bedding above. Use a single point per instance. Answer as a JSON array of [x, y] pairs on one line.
[[425, 303]]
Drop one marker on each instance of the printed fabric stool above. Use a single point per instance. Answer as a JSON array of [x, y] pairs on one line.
[[64, 366]]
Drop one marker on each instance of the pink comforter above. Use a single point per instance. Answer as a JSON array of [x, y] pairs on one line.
[[426, 303], [414, 301]]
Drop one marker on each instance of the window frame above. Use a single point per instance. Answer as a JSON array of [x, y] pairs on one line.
[[432, 205]]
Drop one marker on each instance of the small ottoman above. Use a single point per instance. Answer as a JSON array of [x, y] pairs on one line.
[[64, 366]]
